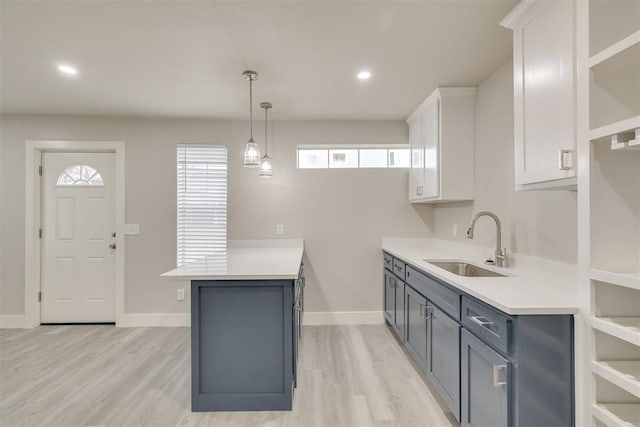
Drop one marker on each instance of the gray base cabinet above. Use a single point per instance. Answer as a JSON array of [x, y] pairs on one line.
[[490, 369], [245, 338], [443, 365], [416, 326], [394, 302], [485, 385]]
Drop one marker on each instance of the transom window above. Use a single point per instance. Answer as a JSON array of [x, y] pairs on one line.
[[80, 175], [352, 156]]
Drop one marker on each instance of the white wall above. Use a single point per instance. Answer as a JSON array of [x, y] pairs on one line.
[[342, 214], [538, 223]]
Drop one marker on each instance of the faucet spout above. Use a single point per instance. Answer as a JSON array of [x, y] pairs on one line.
[[500, 253]]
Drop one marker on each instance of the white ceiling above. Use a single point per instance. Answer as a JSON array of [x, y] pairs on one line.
[[185, 58]]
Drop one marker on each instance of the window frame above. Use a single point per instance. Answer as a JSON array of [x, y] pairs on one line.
[[359, 147]]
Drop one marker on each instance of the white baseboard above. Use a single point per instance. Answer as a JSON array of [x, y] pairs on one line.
[[343, 318], [184, 319], [11, 321], [161, 320]]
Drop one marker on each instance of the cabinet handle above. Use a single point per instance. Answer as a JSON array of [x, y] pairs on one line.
[[392, 282], [562, 157], [481, 321], [497, 370], [426, 311]]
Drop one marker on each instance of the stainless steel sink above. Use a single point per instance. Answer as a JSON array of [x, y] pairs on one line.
[[462, 268]]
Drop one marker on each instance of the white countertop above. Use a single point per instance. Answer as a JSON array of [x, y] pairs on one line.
[[532, 286], [269, 259]]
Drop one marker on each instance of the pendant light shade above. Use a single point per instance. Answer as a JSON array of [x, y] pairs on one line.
[[266, 170], [251, 158]]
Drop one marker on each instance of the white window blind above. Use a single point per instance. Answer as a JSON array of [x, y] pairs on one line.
[[202, 201]]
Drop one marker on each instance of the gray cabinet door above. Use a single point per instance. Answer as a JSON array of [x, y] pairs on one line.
[[486, 384], [399, 308], [443, 361], [389, 295], [416, 326]]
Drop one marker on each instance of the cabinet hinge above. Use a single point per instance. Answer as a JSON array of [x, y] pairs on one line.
[[40, 296], [39, 233], [40, 170]]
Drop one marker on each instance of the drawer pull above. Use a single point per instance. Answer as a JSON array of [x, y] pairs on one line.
[[481, 321], [497, 371], [387, 261]]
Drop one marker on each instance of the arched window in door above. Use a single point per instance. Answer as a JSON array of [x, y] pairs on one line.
[[80, 175]]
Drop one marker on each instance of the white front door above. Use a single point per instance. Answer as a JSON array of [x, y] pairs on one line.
[[78, 238]]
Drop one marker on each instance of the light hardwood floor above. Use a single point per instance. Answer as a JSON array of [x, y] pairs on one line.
[[102, 375]]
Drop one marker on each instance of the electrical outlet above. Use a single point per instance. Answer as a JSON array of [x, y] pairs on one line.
[[454, 230], [180, 294], [279, 229]]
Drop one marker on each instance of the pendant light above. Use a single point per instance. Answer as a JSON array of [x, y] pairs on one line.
[[251, 158], [265, 164]]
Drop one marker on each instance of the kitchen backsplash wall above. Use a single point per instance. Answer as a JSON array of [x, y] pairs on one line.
[[537, 223], [341, 214]]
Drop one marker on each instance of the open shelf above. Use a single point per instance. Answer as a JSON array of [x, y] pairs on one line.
[[617, 414], [627, 279], [623, 373], [625, 328], [623, 54], [615, 214], [611, 21], [621, 127], [615, 406]]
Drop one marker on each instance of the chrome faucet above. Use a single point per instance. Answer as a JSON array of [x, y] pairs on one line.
[[500, 254]]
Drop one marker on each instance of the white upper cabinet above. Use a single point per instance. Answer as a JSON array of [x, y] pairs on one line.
[[544, 75], [441, 134]]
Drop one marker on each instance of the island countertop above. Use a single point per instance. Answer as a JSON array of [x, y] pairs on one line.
[[268, 259]]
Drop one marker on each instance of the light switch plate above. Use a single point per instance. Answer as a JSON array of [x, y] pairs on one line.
[[279, 229], [131, 229]]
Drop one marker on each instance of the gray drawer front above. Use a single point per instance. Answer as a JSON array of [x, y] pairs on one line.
[[388, 261], [492, 326], [399, 268], [445, 298]]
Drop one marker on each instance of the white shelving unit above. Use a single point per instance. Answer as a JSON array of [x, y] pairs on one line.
[[609, 141]]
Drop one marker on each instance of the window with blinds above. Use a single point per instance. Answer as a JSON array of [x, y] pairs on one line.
[[202, 201]]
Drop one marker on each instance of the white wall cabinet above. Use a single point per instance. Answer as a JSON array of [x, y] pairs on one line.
[[441, 134], [544, 94]]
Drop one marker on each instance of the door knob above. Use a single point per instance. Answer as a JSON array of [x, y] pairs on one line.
[[112, 246]]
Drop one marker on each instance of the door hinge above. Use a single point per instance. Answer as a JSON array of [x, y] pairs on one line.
[[40, 170], [39, 233], [40, 296]]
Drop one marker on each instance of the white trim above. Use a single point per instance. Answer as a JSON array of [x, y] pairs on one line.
[[515, 14], [343, 318], [12, 321], [32, 280], [158, 319], [381, 146], [438, 94]]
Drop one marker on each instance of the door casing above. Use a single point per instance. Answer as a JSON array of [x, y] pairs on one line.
[[33, 218]]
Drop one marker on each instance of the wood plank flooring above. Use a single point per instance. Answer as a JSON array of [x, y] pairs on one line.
[[89, 375]]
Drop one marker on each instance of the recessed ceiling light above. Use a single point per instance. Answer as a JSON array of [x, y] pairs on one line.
[[364, 75], [67, 69]]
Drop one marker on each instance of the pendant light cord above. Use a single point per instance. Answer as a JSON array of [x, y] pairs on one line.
[[265, 131], [251, 106]]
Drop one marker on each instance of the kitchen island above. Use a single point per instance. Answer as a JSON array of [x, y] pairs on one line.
[[246, 308]]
